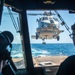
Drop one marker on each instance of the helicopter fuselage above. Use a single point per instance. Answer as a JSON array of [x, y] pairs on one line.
[[48, 27]]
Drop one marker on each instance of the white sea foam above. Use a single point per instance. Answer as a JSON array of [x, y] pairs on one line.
[[19, 55], [45, 50], [40, 52]]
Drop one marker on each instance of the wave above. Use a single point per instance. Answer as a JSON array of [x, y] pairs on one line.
[[19, 55], [39, 52], [45, 50]]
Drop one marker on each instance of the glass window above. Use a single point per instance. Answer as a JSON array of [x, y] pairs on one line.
[[51, 20], [7, 25], [45, 18], [46, 49]]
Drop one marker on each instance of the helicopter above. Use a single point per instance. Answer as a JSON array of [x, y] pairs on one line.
[[48, 27]]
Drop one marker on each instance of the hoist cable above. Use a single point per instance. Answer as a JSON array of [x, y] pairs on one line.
[[66, 26]]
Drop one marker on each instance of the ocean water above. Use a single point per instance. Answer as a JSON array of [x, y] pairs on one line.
[[65, 49]]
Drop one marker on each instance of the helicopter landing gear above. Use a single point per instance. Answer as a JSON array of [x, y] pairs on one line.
[[37, 36], [58, 38], [43, 41]]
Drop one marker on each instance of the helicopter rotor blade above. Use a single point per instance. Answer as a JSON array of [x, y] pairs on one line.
[[48, 13], [45, 13]]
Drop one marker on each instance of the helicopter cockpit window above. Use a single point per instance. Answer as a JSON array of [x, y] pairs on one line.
[[45, 18], [51, 20], [55, 19]]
